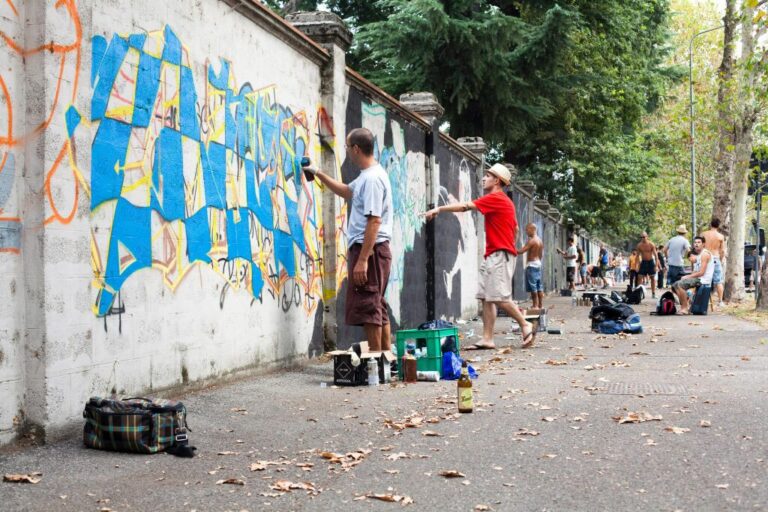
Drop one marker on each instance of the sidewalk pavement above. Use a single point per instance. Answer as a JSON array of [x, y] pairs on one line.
[[542, 436]]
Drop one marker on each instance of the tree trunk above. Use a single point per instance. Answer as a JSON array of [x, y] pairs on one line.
[[726, 146], [762, 287], [734, 270]]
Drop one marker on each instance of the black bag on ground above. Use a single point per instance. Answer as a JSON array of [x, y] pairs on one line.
[[666, 304], [700, 304], [138, 425], [634, 296], [603, 312]]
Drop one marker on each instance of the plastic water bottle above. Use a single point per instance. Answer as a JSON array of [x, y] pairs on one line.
[[373, 372]]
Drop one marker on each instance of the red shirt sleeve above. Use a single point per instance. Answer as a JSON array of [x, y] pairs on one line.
[[485, 203]]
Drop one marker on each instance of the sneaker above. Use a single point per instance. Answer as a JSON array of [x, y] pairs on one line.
[[721, 304]]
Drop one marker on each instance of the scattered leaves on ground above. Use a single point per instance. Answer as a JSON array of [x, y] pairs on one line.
[[452, 473]]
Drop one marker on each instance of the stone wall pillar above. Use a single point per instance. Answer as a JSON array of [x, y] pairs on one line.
[[332, 34], [425, 104]]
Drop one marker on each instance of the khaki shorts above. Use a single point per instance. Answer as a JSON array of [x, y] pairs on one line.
[[496, 272]]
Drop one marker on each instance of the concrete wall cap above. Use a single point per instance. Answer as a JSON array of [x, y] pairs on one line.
[[423, 103], [323, 27]]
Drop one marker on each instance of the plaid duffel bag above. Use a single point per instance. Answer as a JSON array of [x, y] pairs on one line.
[[139, 425]]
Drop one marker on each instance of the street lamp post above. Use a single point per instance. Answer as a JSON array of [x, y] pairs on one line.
[[693, 143]]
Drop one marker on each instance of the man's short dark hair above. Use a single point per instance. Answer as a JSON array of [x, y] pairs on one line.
[[703, 241], [362, 138], [715, 222], [572, 240]]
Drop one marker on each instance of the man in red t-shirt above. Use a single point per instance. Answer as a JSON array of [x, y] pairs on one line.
[[495, 283]]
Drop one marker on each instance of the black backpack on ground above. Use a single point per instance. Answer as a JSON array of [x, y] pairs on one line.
[[635, 296], [667, 305]]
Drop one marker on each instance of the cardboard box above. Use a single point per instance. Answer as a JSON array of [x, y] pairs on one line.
[[538, 314], [346, 374]]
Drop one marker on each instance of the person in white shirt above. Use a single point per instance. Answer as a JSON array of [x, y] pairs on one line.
[[703, 271], [570, 256], [675, 251]]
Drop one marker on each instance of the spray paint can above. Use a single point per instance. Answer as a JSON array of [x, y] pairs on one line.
[[304, 161], [373, 372]]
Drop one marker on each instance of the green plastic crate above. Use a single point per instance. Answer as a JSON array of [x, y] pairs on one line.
[[432, 340]]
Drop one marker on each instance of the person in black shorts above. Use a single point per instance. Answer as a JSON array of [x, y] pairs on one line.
[[648, 261]]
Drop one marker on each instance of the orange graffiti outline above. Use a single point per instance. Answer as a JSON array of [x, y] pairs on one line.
[[53, 48], [13, 7]]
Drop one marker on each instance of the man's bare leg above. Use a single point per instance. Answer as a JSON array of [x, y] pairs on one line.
[[719, 289], [653, 285], [489, 322], [534, 300], [386, 337], [682, 296], [526, 328], [373, 332], [541, 299]]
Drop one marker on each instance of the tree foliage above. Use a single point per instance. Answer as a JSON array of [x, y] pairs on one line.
[[560, 87]]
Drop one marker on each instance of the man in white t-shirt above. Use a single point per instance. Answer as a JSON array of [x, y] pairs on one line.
[[369, 230], [675, 251], [570, 255]]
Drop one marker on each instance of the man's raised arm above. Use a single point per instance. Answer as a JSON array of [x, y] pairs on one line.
[[338, 188]]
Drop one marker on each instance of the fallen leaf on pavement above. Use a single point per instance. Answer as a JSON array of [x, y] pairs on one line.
[[526, 432], [228, 453], [288, 486], [391, 498], [548, 419], [27, 478], [232, 481], [482, 508], [723, 486], [705, 423], [452, 473], [392, 471], [637, 417], [431, 433], [677, 430], [554, 362], [399, 455]]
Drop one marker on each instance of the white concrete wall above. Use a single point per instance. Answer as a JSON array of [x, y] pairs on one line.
[[12, 115], [175, 320]]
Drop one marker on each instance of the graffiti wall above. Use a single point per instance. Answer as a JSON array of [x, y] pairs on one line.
[[456, 241], [177, 239]]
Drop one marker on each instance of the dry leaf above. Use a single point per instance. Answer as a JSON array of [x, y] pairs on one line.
[[705, 423], [482, 508], [452, 473], [399, 455], [287, 486], [637, 417], [391, 498], [723, 486], [232, 481], [548, 456], [677, 430], [431, 433], [26, 478], [526, 432], [548, 419], [392, 471], [228, 453], [554, 362]]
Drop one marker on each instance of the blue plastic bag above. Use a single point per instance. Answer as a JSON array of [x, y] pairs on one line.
[[451, 367]]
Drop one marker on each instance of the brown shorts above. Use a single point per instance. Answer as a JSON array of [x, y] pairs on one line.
[[366, 304]]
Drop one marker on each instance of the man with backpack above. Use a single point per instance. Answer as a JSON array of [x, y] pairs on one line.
[[703, 270]]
